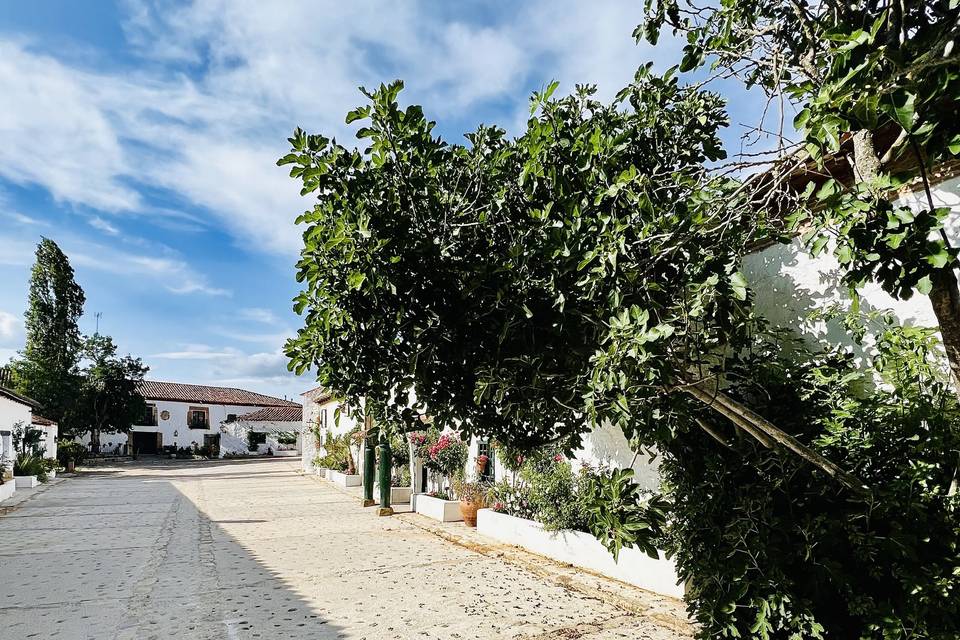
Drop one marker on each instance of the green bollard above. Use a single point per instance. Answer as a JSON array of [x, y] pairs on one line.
[[369, 467], [383, 475]]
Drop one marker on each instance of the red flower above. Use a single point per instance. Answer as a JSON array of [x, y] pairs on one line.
[[499, 506], [558, 458]]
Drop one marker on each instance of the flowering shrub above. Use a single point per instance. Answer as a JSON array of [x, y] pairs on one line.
[[448, 455], [547, 489], [422, 441], [511, 499]]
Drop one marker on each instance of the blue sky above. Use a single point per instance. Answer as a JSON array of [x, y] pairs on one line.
[[142, 135]]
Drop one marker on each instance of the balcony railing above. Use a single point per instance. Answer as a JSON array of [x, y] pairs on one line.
[[149, 420], [193, 423]]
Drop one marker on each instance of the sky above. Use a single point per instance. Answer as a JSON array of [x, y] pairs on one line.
[[142, 137]]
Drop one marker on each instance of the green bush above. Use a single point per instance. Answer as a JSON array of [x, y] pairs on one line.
[[546, 489], [337, 452], [30, 465], [773, 548], [71, 450]]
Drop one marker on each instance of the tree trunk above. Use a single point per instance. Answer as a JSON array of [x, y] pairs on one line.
[[945, 299], [95, 440], [765, 431]]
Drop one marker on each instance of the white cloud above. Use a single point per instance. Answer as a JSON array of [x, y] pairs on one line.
[[94, 138], [9, 326], [54, 135], [99, 223], [257, 314], [196, 353]]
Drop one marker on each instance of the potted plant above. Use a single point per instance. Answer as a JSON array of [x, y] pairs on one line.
[[472, 497], [482, 461]]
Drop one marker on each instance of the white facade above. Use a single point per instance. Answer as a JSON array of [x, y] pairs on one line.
[[272, 429], [319, 415], [12, 413], [172, 426], [604, 446], [48, 439], [788, 283]]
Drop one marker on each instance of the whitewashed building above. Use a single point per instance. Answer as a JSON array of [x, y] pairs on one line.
[[320, 417], [48, 435], [267, 429], [183, 415], [15, 411]]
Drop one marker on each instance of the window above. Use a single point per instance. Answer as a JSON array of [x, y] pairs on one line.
[[197, 418], [489, 472], [150, 417]]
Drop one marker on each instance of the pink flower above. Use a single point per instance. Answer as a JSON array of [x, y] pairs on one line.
[[499, 506], [558, 458], [519, 459]]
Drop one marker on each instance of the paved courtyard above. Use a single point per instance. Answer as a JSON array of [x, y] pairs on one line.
[[253, 549]]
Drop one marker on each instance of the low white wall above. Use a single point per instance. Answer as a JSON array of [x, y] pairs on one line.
[[583, 550], [7, 489], [442, 510]]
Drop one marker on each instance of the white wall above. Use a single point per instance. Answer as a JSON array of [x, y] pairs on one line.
[[788, 284], [11, 413], [241, 428], [605, 445], [323, 414], [177, 423]]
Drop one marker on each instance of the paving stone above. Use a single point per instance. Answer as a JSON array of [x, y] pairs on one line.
[[241, 549]]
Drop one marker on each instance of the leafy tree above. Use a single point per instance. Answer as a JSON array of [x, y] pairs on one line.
[[526, 289], [876, 81], [109, 397], [770, 551], [47, 368]]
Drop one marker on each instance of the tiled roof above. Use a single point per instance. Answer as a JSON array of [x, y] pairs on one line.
[[203, 394], [274, 414], [318, 395], [16, 397], [43, 422]]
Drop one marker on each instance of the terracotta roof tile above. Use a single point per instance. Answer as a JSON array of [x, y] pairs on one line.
[[274, 414], [318, 395], [43, 422], [203, 394]]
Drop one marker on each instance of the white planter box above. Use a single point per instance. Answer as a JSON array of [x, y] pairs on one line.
[[583, 550], [286, 453], [7, 489], [320, 471], [398, 495], [52, 474], [344, 479], [26, 482], [442, 510]]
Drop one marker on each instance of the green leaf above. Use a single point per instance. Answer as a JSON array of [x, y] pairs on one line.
[[924, 285], [738, 282]]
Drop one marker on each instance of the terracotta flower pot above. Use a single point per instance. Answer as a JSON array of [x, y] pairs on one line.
[[468, 510], [71, 466]]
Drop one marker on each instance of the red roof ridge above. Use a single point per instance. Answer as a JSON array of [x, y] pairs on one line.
[[208, 394]]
